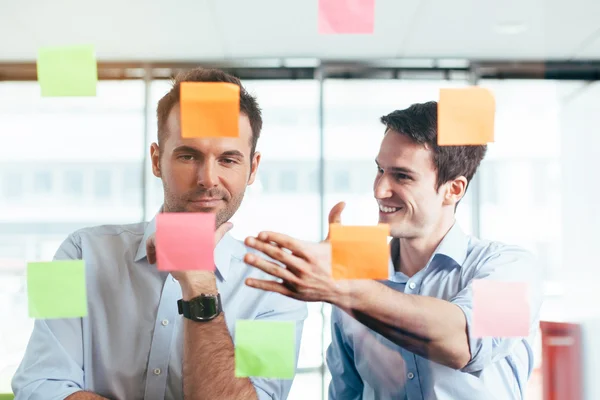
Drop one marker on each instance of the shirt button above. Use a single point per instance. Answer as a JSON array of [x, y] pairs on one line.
[[156, 371], [174, 280], [412, 285], [165, 322], [411, 375]]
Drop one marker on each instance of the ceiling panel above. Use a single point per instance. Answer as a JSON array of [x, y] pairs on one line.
[[212, 30], [120, 30], [288, 28]]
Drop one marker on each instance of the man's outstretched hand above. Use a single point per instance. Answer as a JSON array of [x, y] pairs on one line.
[[307, 273]]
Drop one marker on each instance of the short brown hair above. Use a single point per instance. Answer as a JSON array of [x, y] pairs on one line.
[[248, 103], [419, 122]]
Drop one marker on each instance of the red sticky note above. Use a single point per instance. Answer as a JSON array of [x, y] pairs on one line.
[[466, 117], [346, 16], [359, 252], [185, 241], [500, 309], [209, 109]]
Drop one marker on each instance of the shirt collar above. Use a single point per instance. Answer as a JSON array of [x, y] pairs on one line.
[[222, 255], [454, 245]]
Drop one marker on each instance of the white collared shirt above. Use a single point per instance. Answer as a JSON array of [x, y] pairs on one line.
[[130, 346]]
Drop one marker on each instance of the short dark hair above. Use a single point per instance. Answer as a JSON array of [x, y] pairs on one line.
[[248, 103], [419, 122]]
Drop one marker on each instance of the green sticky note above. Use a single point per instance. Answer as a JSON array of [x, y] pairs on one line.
[[57, 289], [67, 71], [7, 396], [265, 349]]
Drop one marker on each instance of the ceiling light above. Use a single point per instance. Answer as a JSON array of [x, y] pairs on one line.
[[510, 28]]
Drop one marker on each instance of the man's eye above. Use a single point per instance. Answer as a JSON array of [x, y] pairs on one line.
[[186, 157], [228, 160], [401, 177]]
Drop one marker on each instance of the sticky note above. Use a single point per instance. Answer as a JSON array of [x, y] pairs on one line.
[[265, 349], [67, 71], [57, 289], [346, 16], [359, 252], [185, 241], [6, 396], [209, 109], [466, 116], [500, 309]]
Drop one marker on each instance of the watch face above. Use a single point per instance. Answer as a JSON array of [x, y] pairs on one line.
[[204, 308]]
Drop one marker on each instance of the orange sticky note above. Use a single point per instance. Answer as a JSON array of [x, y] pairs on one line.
[[466, 117], [359, 252], [209, 109], [185, 241], [346, 16], [500, 309]]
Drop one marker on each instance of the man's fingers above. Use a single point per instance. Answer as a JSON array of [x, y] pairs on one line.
[[335, 215], [275, 250], [282, 241], [270, 286], [151, 249], [270, 268]]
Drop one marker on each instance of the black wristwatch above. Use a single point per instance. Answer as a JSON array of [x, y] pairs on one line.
[[202, 308]]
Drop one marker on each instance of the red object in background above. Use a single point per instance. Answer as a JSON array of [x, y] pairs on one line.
[[561, 361]]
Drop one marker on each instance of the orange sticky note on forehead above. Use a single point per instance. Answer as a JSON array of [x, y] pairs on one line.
[[466, 117], [359, 252], [209, 109]]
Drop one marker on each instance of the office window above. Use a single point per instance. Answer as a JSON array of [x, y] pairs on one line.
[[12, 185], [73, 183], [70, 135], [288, 181], [42, 182], [102, 184], [341, 182]]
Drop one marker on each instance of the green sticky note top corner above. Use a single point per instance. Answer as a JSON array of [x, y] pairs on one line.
[[67, 71], [265, 349], [57, 289]]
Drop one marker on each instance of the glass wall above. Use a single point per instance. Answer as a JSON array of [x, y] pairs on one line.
[[70, 163]]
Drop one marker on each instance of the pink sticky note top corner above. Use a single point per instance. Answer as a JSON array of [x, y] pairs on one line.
[[346, 16], [500, 309], [185, 241]]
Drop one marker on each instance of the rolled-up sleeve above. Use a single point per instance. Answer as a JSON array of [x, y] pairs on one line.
[[52, 367], [510, 264], [346, 383], [281, 309]]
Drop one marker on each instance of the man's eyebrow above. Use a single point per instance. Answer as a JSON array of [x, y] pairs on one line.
[[403, 170], [184, 148], [233, 153], [190, 149]]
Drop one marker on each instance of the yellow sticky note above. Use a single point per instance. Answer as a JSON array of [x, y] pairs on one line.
[[209, 109], [359, 252], [67, 71], [466, 117]]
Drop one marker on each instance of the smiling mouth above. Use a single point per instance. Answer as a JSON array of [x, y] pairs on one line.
[[206, 202], [389, 210]]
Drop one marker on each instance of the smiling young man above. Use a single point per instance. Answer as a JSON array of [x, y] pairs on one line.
[[134, 344], [410, 337]]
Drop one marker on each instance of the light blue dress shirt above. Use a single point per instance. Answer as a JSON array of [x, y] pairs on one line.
[[131, 343], [365, 365]]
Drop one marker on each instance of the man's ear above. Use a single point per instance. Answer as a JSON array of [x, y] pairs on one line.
[[254, 168], [155, 158], [455, 190]]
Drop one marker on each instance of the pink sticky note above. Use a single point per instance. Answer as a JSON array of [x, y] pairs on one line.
[[346, 16], [185, 241], [500, 309]]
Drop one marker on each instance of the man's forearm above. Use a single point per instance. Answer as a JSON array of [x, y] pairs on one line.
[[430, 327], [209, 363], [85, 396]]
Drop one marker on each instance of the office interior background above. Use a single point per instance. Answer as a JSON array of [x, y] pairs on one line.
[[67, 163]]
